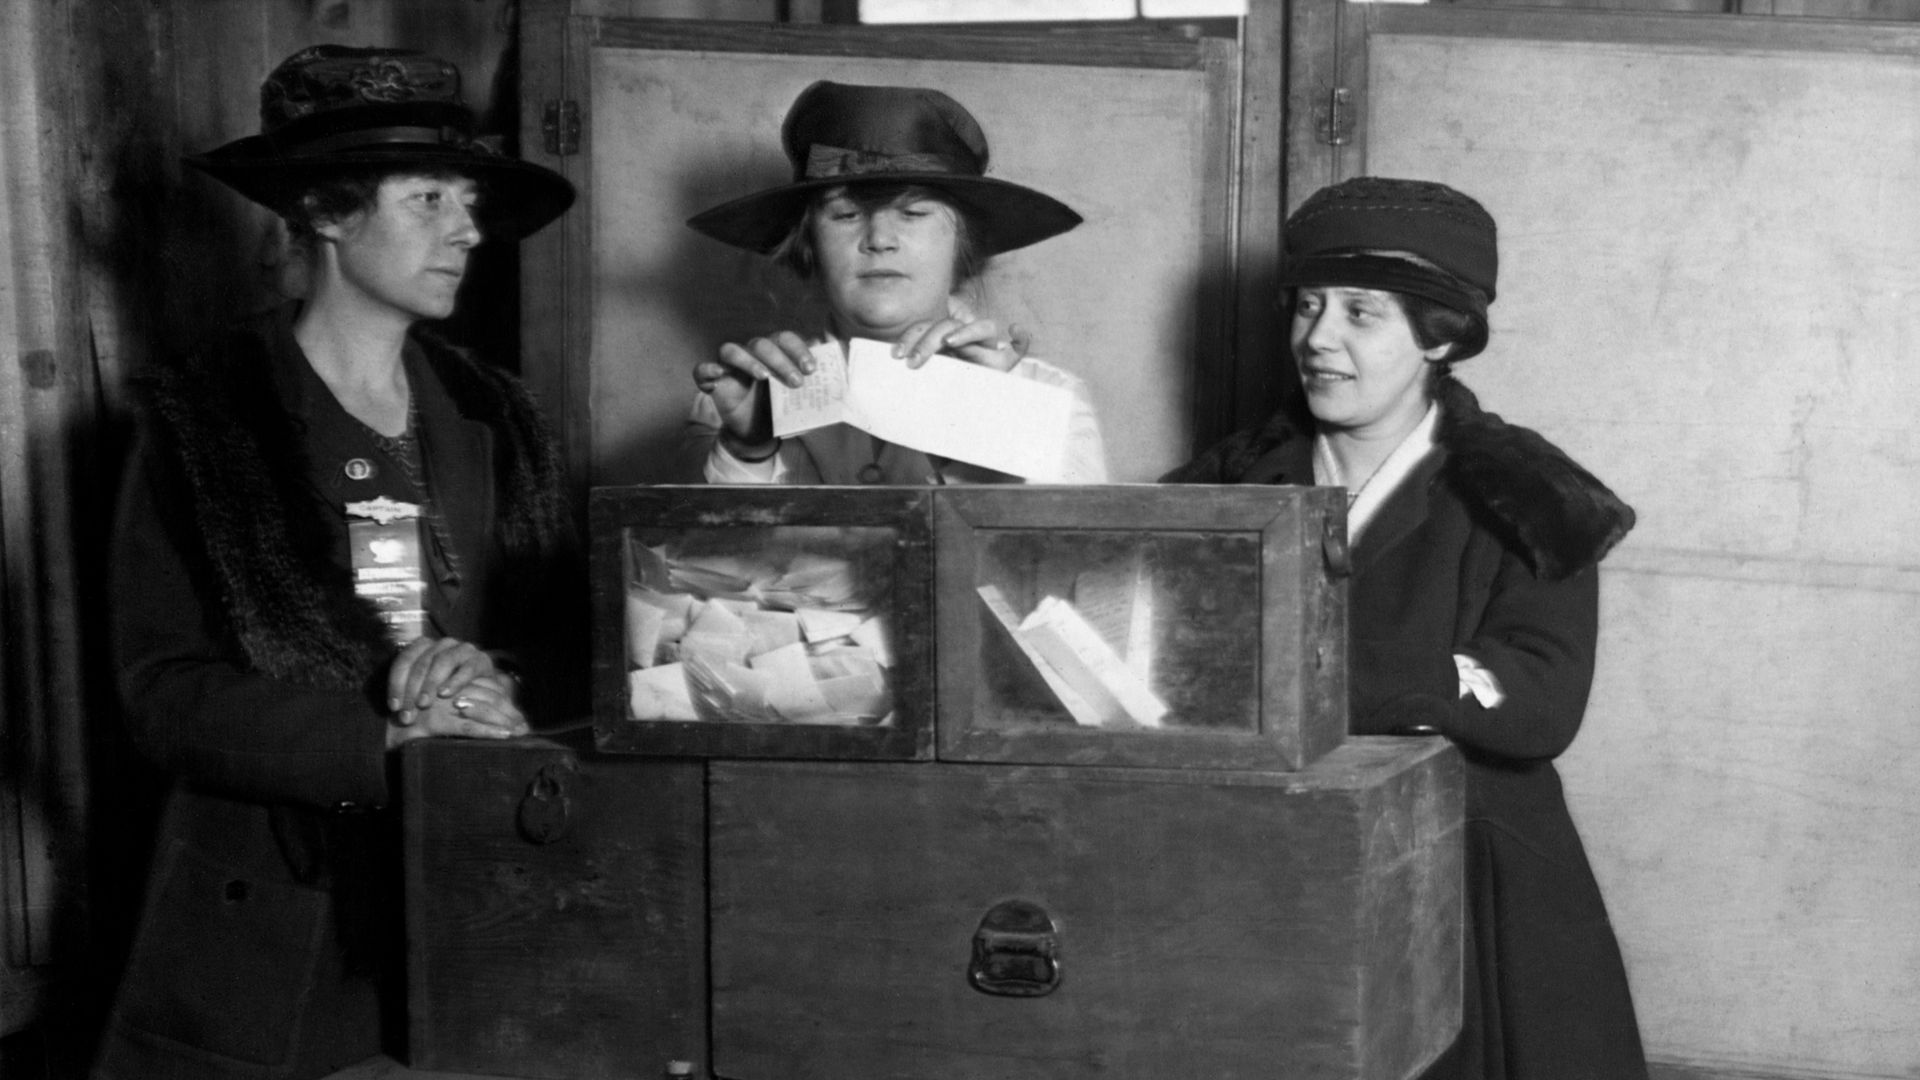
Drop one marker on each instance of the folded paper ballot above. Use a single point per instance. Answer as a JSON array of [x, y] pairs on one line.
[[935, 408], [792, 690], [815, 581], [723, 691], [826, 625], [1116, 599], [1078, 652], [1091, 680], [660, 693], [771, 629], [1004, 616], [872, 635]]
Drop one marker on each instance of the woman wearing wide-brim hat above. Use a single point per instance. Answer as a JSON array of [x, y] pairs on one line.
[[890, 217], [338, 533], [1474, 600]]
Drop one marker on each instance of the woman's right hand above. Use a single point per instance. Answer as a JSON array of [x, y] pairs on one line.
[[733, 381]]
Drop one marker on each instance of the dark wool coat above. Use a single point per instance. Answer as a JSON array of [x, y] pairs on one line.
[[1490, 549], [252, 673]]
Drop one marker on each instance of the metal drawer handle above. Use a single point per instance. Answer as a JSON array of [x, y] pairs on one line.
[[1016, 951]]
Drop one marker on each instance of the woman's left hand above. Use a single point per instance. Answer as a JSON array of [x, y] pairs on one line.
[[485, 708], [977, 341]]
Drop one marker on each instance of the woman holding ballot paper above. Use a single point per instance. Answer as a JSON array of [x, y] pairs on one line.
[[890, 218]]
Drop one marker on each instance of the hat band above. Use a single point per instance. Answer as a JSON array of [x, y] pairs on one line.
[[1370, 271], [826, 162], [449, 137]]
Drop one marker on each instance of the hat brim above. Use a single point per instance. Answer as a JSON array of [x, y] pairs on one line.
[[520, 197], [1010, 215]]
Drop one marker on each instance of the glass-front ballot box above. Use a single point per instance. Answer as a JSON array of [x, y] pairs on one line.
[[763, 622], [1169, 626], [1176, 626]]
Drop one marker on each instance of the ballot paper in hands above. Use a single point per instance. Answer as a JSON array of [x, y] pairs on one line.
[[946, 408]]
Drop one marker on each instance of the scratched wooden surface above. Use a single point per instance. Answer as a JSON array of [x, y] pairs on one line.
[[1218, 924], [556, 916]]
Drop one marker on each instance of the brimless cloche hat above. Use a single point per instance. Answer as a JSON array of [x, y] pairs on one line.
[[837, 133], [1361, 232], [334, 107]]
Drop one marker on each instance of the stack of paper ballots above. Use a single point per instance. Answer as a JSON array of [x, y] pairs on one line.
[[755, 640]]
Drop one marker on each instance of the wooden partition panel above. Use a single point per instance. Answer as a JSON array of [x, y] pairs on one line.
[[1710, 259]]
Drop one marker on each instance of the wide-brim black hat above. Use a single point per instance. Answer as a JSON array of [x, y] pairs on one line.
[[838, 134], [334, 108]]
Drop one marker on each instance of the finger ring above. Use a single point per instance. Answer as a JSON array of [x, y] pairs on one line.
[[461, 705]]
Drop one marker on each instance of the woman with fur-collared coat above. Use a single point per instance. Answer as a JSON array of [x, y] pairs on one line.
[[337, 534], [1474, 599]]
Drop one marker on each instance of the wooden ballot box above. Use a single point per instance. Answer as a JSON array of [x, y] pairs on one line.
[[1024, 783], [577, 915], [1188, 626]]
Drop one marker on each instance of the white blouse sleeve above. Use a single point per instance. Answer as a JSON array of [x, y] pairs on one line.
[[721, 467]]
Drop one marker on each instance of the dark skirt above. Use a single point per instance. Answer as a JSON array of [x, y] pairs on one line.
[[1546, 994]]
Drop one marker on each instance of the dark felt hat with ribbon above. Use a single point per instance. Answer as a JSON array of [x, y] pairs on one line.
[[839, 134], [1406, 236], [330, 108]]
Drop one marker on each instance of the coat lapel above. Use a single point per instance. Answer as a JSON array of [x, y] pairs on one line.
[[1289, 462], [459, 453], [1404, 511]]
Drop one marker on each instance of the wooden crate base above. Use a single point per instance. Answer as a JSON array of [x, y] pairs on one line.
[[1302, 924], [555, 910]]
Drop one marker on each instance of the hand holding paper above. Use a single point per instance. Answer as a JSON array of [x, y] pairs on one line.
[[947, 408]]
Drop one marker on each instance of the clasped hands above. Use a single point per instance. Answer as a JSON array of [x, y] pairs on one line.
[[445, 686]]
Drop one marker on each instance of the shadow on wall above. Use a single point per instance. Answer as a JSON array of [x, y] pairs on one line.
[[698, 293]]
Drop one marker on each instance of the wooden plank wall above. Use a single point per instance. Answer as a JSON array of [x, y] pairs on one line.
[[42, 375]]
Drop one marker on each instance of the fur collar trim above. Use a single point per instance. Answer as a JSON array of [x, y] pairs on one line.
[[1535, 497], [255, 529]]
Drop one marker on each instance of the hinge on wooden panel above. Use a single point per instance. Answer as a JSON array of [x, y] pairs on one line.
[[560, 127], [1333, 119]]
